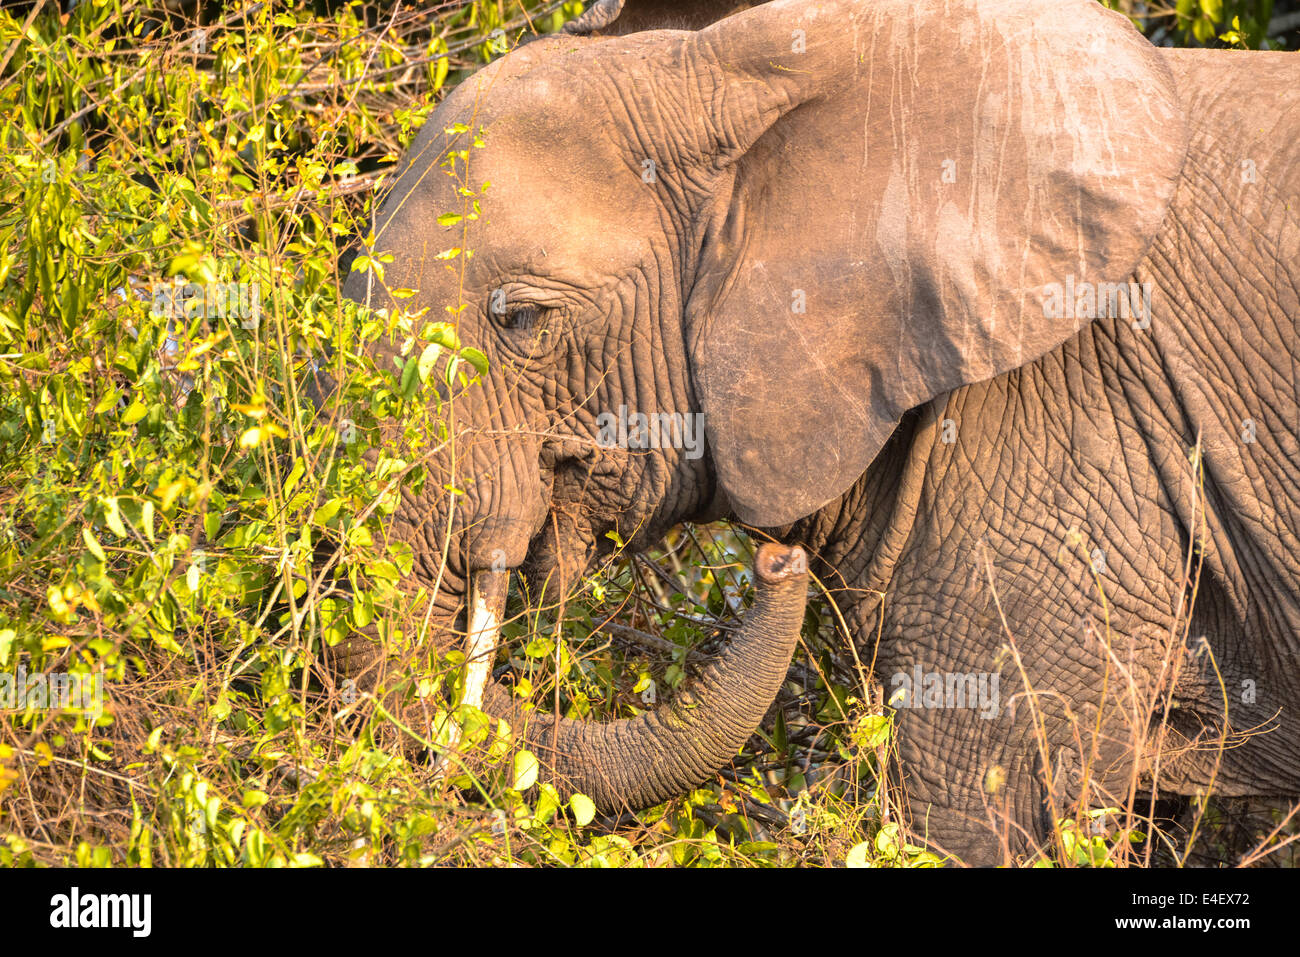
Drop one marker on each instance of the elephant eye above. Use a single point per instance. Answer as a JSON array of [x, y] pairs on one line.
[[516, 315]]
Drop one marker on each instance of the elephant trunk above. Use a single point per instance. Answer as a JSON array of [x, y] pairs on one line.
[[634, 763]]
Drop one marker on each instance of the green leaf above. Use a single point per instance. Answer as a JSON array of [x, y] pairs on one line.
[[548, 801], [887, 841], [449, 219], [427, 359], [859, 855], [410, 377], [290, 483], [113, 518], [384, 570], [583, 808], [107, 401], [476, 359], [92, 543], [443, 64], [324, 514], [526, 767], [444, 334], [137, 411], [539, 647]]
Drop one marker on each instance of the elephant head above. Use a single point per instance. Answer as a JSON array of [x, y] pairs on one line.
[[798, 223]]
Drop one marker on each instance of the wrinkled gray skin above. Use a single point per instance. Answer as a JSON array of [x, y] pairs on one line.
[[844, 261]]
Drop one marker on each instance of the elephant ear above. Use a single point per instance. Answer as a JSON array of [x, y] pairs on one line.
[[597, 16], [904, 193]]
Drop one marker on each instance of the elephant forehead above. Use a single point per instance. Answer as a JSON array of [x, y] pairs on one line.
[[591, 231], [544, 204], [529, 207]]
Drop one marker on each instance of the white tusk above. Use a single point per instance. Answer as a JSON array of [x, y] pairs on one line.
[[486, 609]]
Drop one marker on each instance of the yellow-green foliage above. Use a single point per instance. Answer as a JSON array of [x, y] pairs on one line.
[[166, 486]]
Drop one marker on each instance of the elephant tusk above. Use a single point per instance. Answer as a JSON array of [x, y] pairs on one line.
[[487, 608]]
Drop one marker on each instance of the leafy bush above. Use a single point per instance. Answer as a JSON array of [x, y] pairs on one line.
[[175, 198], [1241, 23]]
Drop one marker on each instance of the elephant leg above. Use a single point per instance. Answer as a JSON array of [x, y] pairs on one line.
[[1045, 551], [998, 743]]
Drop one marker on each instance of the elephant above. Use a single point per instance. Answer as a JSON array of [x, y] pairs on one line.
[[988, 308]]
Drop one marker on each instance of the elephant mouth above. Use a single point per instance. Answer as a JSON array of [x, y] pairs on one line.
[[558, 557]]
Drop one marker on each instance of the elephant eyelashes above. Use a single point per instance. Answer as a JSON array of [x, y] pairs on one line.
[[517, 316]]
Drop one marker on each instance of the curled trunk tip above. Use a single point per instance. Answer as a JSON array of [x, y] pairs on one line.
[[777, 563]]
